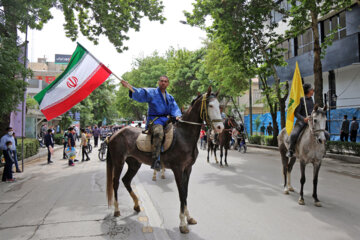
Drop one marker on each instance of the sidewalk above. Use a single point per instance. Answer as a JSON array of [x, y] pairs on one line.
[[344, 158]]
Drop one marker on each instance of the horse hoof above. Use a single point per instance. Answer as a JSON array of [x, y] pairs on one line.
[[291, 189], [301, 202], [154, 178], [184, 229], [117, 214], [317, 204], [162, 177], [137, 208], [286, 192], [192, 221]]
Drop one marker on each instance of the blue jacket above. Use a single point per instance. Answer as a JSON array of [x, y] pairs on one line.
[[157, 105], [5, 139]]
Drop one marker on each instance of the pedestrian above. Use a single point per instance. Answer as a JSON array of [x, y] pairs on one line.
[[354, 127], [77, 133], [83, 145], [15, 155], [96, 134], [269, 129], [49, 143], [71, 146], [65, 142], [9, 137], [9, 160], [344, 132], [262, 129], [202, 134]]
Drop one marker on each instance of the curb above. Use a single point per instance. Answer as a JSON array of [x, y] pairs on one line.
[[344, 158]]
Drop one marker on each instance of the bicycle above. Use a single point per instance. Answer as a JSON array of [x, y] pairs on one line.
[[88, 148], [103, 150]]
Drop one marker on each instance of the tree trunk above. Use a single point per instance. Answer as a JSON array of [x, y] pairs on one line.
[[282, 105], [318, 79], [275, 128]]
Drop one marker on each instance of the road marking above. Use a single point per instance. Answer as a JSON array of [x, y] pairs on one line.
[[143, 219], [147, 229]]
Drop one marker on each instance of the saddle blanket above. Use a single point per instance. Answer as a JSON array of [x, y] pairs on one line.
[[143, 142]]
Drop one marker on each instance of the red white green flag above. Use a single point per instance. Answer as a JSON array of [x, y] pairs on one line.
[[83, 75]]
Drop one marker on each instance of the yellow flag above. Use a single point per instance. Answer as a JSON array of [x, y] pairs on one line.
[[296, 93]]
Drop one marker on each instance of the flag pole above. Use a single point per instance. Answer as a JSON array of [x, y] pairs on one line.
[[121, 80]]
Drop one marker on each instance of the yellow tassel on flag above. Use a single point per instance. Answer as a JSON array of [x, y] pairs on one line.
[[296, 93]]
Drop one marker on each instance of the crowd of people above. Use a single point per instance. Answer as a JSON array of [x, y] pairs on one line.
[[349, 128]]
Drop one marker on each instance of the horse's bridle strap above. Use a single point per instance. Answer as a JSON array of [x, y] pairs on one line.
[[193, 123]]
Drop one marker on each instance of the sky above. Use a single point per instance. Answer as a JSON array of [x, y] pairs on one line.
[[152, 36]]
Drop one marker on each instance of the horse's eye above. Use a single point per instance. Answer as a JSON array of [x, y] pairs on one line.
[[315, 120], [210, 106]]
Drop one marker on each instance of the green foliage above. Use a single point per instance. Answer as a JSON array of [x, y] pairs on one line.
[[58, 138], [31, 103], [31, 147], [262, 140], [255, 139], [347, 148]]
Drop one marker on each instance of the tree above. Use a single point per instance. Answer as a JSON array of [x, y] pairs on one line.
[[92, 18], [244, 28], [306, 13]]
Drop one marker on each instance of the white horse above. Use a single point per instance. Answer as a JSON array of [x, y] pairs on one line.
[[310, 148]]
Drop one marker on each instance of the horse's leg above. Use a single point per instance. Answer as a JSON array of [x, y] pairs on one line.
[[180, 182], [284, 161], [221, 154], [315, 182], [302, 181], [215, 146], [208, 152], [226, 150], [117, 173], [187, 173], [290, 166], [154, 176], [133, 167], [162, 170]]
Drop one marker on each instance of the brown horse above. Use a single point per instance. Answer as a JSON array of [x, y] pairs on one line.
[[179, 158], [224, 137]]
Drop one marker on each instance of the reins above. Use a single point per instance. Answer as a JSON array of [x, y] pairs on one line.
[[203, 114]]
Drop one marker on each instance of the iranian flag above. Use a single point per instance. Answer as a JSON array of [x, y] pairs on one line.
[[83, 75]]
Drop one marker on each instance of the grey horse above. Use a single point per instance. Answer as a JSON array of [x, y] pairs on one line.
[[310, 148]]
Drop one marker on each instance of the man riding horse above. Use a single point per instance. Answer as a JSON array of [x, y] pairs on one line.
[[301, 118], [161, 105]]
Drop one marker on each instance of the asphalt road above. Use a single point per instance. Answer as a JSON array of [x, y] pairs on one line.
[[241, 201]]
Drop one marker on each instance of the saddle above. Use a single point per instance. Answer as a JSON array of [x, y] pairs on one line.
[[143, 142]]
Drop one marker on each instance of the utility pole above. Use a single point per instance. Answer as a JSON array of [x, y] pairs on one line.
[[250, 106], [23, 101]]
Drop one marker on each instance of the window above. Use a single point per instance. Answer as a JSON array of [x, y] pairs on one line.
[[287, 45], [338, 23], [34, 83], [305, 42]]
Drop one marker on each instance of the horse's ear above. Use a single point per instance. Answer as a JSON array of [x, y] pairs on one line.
[[325, 108], [217, 93], [209, 91], [316, 107]]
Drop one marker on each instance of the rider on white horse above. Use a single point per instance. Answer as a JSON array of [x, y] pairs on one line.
[[301, 118]]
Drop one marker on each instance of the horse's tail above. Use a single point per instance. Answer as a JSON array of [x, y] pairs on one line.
[[109, 178]]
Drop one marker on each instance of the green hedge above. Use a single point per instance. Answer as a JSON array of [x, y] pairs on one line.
[[31, 147], [261, 140], [58, 138], [348, 148]]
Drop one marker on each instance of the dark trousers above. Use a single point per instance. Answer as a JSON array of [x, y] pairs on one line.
[[353, 135], [299, 126], [49, 153], [7, 174], [344, 136], [64, 155], [84, 153], [16, 160], [96, 139]]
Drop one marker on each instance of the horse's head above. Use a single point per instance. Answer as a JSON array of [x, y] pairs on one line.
[[213, 111], [230, 123], [317, 123]]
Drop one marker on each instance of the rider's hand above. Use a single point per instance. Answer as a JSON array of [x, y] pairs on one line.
[[177, 118], [125, 83], [306, 120]]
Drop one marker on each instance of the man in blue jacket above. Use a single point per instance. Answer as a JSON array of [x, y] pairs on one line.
[[161, 105]]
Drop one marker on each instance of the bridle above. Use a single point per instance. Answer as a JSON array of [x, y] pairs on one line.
[[204, 115], [315, 131]]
